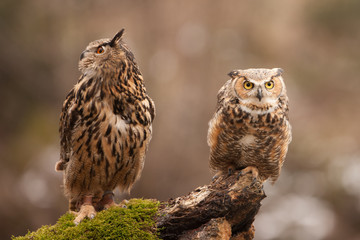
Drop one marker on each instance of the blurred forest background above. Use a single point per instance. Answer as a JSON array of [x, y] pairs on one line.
[[185, 50]]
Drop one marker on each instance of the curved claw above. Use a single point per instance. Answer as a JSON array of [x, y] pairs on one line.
[[109, 205], [214, 178], [230, 171]]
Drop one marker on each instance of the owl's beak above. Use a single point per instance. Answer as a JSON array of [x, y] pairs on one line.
[[83, 54], [259, 94]]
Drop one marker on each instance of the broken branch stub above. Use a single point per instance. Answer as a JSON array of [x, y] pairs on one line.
[[236, 199]]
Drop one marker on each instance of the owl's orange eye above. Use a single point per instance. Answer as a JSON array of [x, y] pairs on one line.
[[100, 50], [248, 85], [269, 84]]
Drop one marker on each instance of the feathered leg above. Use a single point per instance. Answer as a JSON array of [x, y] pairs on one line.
[[86, 210]]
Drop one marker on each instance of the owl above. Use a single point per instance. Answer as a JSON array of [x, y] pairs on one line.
[[105, 127], [250, 130]]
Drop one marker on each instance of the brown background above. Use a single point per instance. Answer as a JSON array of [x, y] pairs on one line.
[[185, 49]]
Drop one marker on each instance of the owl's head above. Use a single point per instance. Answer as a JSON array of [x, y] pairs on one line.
[[104, 54], [259, 88]]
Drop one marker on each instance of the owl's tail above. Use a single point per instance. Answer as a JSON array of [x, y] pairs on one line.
[[60, 166]]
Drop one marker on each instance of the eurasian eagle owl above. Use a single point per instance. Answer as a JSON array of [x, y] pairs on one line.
[[105, 127]]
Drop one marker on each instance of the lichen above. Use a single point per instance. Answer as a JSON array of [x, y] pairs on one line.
[[135, 221]]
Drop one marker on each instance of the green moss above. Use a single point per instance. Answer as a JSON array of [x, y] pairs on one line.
[[136, 221]]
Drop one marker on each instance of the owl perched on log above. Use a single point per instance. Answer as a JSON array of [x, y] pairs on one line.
[[250, 130], [105, 127]]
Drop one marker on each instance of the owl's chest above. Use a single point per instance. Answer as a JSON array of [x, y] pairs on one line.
[[121, 125], [255, 130]]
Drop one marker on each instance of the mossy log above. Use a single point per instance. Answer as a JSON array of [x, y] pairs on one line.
[[224, 209], [133, 219]]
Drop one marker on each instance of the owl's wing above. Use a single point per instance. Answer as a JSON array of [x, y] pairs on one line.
[[286, 111], [151, 108], [67, 121], [223, 94]]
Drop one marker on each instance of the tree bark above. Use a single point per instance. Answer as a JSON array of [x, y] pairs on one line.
[[224, 209]]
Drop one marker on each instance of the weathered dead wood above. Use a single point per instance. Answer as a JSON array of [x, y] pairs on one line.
[[224, 209]]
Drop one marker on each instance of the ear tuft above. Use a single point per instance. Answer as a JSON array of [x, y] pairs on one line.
[[278, 71], [116, 39], [234, 74]]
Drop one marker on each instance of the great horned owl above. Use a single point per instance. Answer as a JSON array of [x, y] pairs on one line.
[[105, 127], [250, 129]]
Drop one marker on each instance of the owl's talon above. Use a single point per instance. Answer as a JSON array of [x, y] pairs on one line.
[[239, 175], [214, 178], [250, 169], [86, 210], [107, 201], [123, 203], [230, 171], [254, 181], [107, 206]]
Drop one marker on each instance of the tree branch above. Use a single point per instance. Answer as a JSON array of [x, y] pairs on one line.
[[225, 208]]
